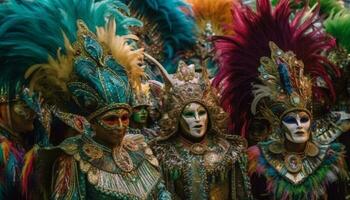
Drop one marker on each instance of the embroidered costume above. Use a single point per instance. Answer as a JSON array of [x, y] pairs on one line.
[[268, 71], [85, 63], [213, 167]]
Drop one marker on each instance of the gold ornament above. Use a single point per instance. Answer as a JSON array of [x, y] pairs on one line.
[[122, 159], [92, 151]]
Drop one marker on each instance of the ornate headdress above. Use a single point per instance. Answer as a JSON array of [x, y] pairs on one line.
[[269, 65], [143, 97], [184, 87], [212, 18], [166, 28], [79, 71]]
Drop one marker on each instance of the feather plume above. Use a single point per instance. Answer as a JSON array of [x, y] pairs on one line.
[[31, 37], [327, 7], [122, 52], [314, 186], [27, 170], [338, 25], [5, 151], [60, 69], [239, 55], [218, 13], [167, 18]]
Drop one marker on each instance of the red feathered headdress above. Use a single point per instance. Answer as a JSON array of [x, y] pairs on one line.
[[239, 55]]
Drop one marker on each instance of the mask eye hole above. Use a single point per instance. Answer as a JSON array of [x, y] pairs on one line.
[[202, 112], [124, 117], [289, 120], [304, 119], [110, 119], [188, 114]]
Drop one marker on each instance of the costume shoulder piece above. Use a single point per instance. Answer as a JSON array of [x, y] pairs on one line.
[[137, 142], [289, 176]]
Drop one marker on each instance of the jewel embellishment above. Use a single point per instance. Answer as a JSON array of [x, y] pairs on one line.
[[122, 159], [293, 163]]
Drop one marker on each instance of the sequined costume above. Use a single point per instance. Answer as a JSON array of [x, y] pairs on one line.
[[85, 63], [213, 168], [279, 83]]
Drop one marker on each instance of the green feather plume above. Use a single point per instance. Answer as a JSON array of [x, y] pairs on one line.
[[338, 25]]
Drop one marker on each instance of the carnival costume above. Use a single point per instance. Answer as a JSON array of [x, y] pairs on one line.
[[17, 148], [24, 123], [268, 70], [166, 30], [141, 122], [83, 63], [215, 166]]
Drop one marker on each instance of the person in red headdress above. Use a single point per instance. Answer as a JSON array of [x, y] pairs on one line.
[[271, 69]]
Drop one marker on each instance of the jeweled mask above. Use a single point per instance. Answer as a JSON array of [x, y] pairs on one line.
[[297, 126], [187, 90], [194, 120]]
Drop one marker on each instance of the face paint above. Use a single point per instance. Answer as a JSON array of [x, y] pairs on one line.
[[194, 120], [114, 120], [140, 114], [298, 126]]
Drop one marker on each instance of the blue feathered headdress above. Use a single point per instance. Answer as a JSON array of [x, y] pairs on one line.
[[60, 43]]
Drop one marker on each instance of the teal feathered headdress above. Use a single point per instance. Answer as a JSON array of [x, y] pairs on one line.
[[73, 51], [167, 29]]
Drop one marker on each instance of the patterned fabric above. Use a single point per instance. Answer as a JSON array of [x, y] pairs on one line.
[[315, 184]]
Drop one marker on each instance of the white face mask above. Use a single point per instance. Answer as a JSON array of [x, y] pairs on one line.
[[194, 120], [298, 125]]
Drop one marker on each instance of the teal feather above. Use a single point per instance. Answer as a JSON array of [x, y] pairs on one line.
[[30, 31], [176, 28]]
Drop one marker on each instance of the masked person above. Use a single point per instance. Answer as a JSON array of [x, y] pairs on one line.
[[86, 66], [16, 125], [299, 160], [166, 32], [198, 157], [23, 122], [140, 118]]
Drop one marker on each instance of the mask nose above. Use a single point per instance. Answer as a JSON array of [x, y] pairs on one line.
[[298, 122], [119, 123], [196, 116]]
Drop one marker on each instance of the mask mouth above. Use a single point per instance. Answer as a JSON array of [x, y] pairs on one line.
[[300, 132], [198, 126]]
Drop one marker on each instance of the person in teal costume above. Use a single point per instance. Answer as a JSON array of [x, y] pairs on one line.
[[79, 57]]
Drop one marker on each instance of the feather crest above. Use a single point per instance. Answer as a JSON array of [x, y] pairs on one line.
[[218, 13], [239, 55], [122, 52], [33, 32], [338, 25], [176, 28]]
